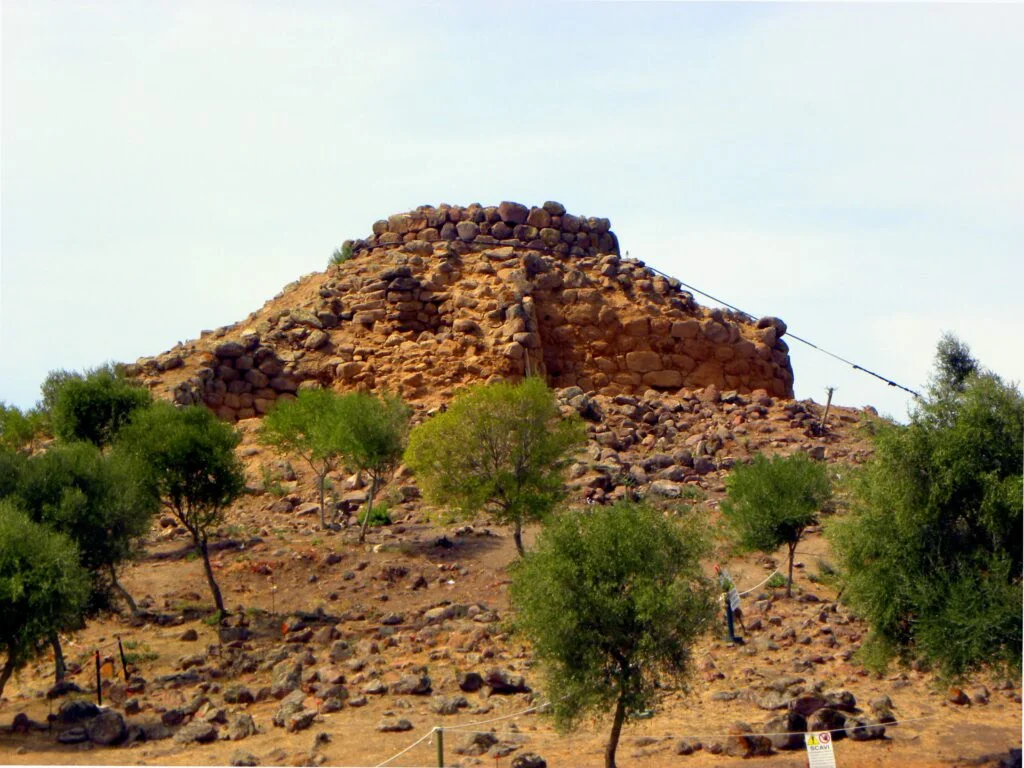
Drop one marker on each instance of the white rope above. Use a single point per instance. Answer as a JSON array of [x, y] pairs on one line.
[[721, 598], [728, 735], [422, 738], [747, 592], [496, 719]]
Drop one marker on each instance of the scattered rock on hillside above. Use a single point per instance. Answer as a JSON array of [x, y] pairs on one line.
[[412, 685], [300, 721], [241, 726], [477, 744], [788, 730], [529, 760], [470, 682], [76, 710], [244, 759], [502, 682], [196, 732], [827, 719], [391, 725], [285, 678], [742, 743], [858, 729]]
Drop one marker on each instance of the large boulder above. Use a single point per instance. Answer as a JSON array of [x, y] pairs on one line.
[[292, 704], [286, 677], [827, 719], [502, 682], [241, 726], [787, 731], [470, 682], [76, 710], [513, 213], [742, 742], [107, 728], [412, 685]]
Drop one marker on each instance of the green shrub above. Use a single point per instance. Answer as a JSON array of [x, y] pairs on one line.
[[378, 516], [776, 581], [341, 255]]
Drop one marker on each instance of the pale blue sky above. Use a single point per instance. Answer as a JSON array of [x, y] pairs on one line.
[[852, 168]]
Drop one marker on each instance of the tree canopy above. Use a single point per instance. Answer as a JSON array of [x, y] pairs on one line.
[[374, 437], [95, 406], [192, 467], [311, 427], [102, 502], [499, 447], [770, 501], [931, 551], [612, 600], [43, 588]]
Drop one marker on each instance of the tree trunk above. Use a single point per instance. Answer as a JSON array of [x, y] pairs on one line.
[[60, 668], [789, 584], [613, 740], [517, 534], [374, 481], [123, 592], [320, 480], [217, 599], [5, 675]]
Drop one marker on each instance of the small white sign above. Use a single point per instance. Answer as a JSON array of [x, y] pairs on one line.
[[819, 750], [734, 599]]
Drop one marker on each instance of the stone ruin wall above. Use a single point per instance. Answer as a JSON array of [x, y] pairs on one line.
[[438, 298]]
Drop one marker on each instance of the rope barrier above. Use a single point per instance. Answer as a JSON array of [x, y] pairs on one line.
[[397, 755], [727, 735], [756, 586], [503, 717], [747, 592], [792, 335]]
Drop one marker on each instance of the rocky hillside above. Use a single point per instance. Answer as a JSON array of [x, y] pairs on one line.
[[442, 297], [345, 653]]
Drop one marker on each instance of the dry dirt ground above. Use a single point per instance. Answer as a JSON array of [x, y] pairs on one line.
[[359, 589]]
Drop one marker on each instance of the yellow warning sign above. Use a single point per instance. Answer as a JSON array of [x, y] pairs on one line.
[[819, 750]]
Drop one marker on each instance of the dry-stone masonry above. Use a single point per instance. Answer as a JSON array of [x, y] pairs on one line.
[[438, 298]]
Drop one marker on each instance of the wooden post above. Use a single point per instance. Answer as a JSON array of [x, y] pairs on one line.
[[828, 404], [99, 682], [439, 732]]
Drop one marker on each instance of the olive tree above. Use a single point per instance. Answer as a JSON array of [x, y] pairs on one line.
[[499, 447], [18, 428], [613, 600], [192, 467], [374, 435], [95, 406], [43, 588], [310, 427], [101, 501], [931, 549], [770, 502]]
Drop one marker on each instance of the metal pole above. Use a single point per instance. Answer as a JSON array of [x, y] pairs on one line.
[[439, 731], [124, 662], [99, 683]]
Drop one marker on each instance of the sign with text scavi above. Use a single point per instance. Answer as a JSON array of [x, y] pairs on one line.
[[819, 750]]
